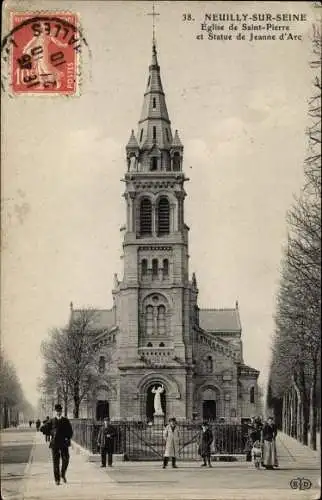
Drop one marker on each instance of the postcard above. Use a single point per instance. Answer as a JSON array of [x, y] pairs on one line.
[[155, 156]]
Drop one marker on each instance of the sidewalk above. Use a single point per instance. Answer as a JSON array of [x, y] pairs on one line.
[[289, 447], [148, 481]]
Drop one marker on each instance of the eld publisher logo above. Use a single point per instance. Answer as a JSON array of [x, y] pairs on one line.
[[300, 483]]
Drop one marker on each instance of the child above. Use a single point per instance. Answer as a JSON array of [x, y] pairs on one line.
[[256, 454]]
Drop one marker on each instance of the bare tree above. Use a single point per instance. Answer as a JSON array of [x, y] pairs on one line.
[[12, 399], [296, 357], [70, 358]]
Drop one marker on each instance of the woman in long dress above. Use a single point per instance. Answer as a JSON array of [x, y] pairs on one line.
[[269, 433]]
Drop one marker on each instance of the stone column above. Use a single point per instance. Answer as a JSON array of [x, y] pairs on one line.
[[173, 218], [131, 212], [154, 221]]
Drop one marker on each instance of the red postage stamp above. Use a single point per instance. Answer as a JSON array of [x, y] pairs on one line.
[[45, 52]]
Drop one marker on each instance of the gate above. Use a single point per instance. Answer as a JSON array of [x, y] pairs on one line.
[[143, 441]]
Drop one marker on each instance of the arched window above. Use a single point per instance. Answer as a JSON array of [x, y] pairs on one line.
[[176, 162], [149, 320], [154, 132], [101, 364], [141, 134], [149, 344], [163, 216], [252, 395], [165, 268], [145, 217], [144, 267], [154, 103], [209, 365], [154, 163], [161, 320], [155, 268], [161, 344]]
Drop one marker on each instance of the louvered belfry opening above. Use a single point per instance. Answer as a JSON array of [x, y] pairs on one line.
[[163, 216], [144, 267], [145, 217]]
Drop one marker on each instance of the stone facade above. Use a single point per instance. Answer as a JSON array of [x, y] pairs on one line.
[[155, 333]]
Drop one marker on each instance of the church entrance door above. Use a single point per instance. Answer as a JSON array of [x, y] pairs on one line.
[[102, 410], [209, 410]]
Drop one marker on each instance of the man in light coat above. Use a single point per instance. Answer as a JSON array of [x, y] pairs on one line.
[[172, 439]]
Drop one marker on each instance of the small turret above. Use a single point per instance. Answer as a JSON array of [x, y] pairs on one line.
[[176, 143], [176, 153], [132, 153]]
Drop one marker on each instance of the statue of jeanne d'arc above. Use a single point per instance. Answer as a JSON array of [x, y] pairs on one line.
[[157, 391]]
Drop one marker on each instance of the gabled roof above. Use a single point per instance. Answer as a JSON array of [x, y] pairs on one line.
[[247, 370], [219, 320]]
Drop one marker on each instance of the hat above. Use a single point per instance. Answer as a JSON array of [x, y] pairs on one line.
[[58, 407], [172, 419]]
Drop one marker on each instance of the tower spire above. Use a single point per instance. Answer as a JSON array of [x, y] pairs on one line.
[[153, 14], [154, 149]]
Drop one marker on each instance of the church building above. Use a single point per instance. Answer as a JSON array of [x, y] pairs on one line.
[[155, 335]]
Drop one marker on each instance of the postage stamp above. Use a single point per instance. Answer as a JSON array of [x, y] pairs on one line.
[[44, 53]]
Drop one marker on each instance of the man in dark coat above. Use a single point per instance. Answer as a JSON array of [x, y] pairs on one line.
[[61, 432], [206, 438], [105, 442]]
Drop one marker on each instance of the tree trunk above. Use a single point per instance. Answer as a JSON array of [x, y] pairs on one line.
[[284, 414], [306, 408], [299, 430], [313, 407], [76, 400], [5, 416], [65, 403], [288, 413]]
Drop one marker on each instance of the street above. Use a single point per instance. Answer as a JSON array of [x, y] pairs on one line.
[[16, 445], [148, 481]]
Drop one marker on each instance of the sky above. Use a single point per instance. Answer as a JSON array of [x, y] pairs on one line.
[[241, 111]]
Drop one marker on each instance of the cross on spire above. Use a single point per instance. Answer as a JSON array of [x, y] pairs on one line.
[[153, 14]]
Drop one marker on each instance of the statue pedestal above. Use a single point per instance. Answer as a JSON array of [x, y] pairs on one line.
[[158, 421]]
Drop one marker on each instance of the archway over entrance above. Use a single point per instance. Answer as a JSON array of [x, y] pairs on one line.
[[102, 409], [150, 401]]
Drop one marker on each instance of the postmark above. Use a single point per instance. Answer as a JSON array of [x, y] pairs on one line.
[[42, 53]]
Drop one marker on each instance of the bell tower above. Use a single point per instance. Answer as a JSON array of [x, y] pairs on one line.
[[153, 301]]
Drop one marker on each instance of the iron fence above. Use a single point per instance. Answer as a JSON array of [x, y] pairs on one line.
[[141, 441]]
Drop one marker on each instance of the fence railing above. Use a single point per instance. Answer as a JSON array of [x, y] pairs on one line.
[[141, 441]]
